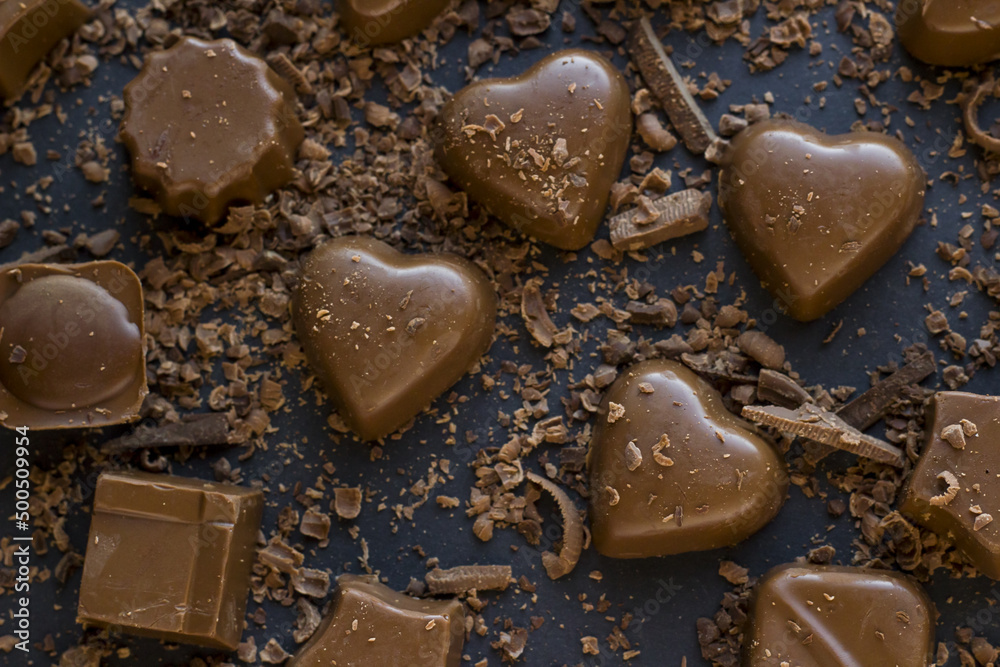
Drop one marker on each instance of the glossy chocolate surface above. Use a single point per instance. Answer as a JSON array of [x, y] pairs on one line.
[[170, 557], [208, 124], [373, 22], [817, 215], [830, 616], [387, 333], [72, 349], [541, 150], [953, 33], [23, 43], [976, 469], [714, 484], [371, 624]]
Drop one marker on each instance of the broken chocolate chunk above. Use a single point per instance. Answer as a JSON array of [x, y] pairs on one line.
[[371, 624]]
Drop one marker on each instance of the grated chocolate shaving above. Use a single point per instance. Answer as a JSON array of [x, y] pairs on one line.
[[954, 436], [948, 478], [970, 116], [562, 564], [818, 425], [536, 318], [666, 82], [633, 457], [347, 502], [466, 578], [779, 389], [287, 70], [659, 220]]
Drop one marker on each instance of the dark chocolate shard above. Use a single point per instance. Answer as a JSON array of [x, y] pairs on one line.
[[814, 423], [660, 220], [868, 408], [194, 431], [668, 85]]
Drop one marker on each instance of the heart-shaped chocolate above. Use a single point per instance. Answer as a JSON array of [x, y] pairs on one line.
[[374, 22], [817, 215], [387, 333], [953, 33], [672, 471], [540, 151]]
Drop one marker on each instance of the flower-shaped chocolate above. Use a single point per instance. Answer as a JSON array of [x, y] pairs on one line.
[[209, 124]]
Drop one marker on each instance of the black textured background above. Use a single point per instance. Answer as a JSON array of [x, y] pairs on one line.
[[891, 312]]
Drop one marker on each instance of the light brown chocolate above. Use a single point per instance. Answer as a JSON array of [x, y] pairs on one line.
[[375, 22], [954, 489], [953, 33], [541, 150], [830, 616], [209, 124], [170, 557], [816, 215], [28, 31], [371, 624], [672, 471], [72, 347], [387, 333]]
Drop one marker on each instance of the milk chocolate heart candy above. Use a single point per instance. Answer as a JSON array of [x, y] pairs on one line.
[[373, 22], [953, 33], [818, 215], [541, 150], [387, 333], [672, 471]]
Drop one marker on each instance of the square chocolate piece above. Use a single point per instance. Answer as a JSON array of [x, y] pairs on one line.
[[371, 624], [170, 557], [955, 487], [73, 346]]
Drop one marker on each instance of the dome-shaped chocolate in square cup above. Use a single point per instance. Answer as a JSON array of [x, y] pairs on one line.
[[72, 345]]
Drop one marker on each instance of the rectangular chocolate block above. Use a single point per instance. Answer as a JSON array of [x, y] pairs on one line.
[[170, 557]]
